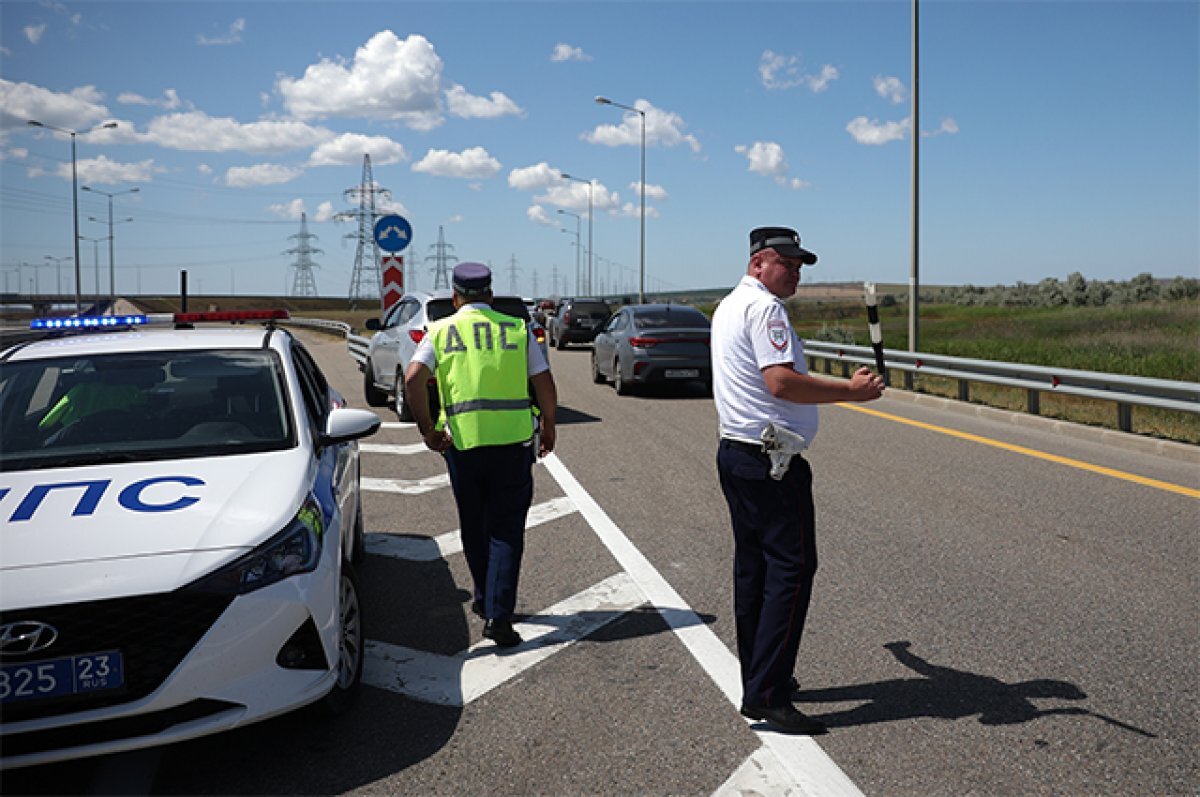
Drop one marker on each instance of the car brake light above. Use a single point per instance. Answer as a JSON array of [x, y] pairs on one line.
[[644, 343], [567, 317], [231, 315], [417, 335], [539, 334]]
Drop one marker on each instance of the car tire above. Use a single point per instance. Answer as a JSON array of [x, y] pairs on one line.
[[623, 387], [403, 411], [597, 376], [559, 343], [374, 396], [351, 646]]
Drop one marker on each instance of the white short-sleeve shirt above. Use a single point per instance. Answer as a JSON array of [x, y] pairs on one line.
[[751, 331]]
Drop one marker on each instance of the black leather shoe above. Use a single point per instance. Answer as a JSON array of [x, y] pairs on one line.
[[477, 609], [785, 718], [501, 632]]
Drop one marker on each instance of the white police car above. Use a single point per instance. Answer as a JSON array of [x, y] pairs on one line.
[[179, 510]]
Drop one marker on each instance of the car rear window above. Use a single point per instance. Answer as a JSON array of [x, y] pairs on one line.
[[674, 317], [440, 308], [593, 309]]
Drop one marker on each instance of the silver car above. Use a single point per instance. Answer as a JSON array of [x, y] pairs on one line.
[[403, 327], [644, 344]]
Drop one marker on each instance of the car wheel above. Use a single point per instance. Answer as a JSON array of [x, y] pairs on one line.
[[403, 411], [351, 646], [597, 376], [623, 387], [559, 343], [374, 396]]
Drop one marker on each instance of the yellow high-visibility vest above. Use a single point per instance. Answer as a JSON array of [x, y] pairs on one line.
[[482, 376]]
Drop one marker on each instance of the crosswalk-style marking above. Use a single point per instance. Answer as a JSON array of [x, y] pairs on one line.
[[406, 449], [429, 549], [457, 680], [405, 486]]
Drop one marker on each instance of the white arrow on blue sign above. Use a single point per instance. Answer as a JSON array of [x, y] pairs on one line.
[[392, 233]]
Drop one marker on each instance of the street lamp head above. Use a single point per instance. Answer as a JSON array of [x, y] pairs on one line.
[[107, 126], [603, 100], [34, 123]]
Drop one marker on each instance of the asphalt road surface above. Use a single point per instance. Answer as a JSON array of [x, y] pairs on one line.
[[1000, 610]]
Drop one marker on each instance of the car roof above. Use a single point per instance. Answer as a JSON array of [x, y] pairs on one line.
[[141, 339]]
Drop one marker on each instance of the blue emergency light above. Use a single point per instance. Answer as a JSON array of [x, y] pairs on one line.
[[88, 322]]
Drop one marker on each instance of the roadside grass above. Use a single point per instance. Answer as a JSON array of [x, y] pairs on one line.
[[1154, 339]]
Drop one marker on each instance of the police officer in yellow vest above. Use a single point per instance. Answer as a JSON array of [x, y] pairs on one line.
[[485, 363]]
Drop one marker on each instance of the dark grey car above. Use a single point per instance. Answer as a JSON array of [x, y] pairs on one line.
[[644, 344], [577, 321]]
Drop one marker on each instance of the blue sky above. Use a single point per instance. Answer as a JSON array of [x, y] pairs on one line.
[[1056, 137]]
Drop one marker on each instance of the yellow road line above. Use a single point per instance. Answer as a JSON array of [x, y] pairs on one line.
[[1029, 452]]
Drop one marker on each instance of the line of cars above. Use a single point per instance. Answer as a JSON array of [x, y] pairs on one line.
[[181, 516]]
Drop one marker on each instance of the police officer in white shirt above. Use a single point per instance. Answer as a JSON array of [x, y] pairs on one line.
[[760, 377]]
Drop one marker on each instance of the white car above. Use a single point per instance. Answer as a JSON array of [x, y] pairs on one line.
[[400, 330], [180, 509]]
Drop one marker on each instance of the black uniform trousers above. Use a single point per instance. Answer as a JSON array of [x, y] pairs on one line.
[[774, 561], [493, 488]]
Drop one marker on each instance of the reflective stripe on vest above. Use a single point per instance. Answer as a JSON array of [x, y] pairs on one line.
[[482, 374]]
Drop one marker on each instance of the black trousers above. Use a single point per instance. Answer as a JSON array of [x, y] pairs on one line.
[[774, 561], [493, 487]]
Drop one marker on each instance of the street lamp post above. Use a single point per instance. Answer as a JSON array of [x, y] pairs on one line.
[[58, 270], [111, 272], [642, 187], [577, 245], [74, 194], [590, 186], [95, 259], [112, 269]]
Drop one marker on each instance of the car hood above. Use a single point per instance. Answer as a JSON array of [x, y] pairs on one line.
[[138, 528]]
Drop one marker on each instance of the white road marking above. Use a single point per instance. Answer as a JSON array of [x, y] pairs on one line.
[[392, 448], [406, 486], [397, 425], [429, 549], [809, 767], [457, 680]]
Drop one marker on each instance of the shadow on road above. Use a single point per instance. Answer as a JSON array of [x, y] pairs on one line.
[[947, 693]]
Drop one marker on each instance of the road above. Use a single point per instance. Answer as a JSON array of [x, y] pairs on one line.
[[999, 611]]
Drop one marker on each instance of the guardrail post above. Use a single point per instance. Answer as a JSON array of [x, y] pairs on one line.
[[1125, 417], [1033, 401], [908, 380], [964, 390]]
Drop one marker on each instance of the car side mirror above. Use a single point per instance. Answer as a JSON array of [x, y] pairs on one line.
[[345, 424], [374, 324]]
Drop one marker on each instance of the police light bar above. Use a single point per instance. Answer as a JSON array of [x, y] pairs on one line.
[[88, 322], [230, 315]]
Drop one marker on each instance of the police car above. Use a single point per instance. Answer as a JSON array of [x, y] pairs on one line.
[[179, 509]]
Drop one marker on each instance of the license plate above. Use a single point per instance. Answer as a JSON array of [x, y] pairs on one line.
[[70, 675], [682, 373]]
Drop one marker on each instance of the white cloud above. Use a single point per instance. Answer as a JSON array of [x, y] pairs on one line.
[[565, 52], [288, 210], [662, 127], [947, 127], [348, 150], [872, 132], [231, 36], [767, 158], [783, 72], [169, 101], [891, 89], [390, 78], [633, 210], [196, 131], [471, 163], [539, 215], [78, 109], [467, 106], [325, 212], [34, 33], [262, 174], [102, 171], [655, 192], [531, 178]]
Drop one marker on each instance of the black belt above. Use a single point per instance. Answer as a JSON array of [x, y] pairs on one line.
[[749, 448]]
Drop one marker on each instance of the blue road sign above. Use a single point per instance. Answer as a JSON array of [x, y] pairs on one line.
[[393, 233]]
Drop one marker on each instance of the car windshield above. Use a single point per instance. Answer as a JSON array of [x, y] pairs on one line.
[[673, 317], [61, 412]]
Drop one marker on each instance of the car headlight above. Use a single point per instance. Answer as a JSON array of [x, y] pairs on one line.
[[296, 549]]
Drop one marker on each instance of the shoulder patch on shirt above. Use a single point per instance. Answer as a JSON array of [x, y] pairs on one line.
[[777, 332]]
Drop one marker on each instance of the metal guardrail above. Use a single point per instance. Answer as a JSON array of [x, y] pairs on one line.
[[355, 343], [1125, 391]]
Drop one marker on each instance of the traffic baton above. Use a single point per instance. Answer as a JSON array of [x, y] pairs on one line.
[[876, 330]]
